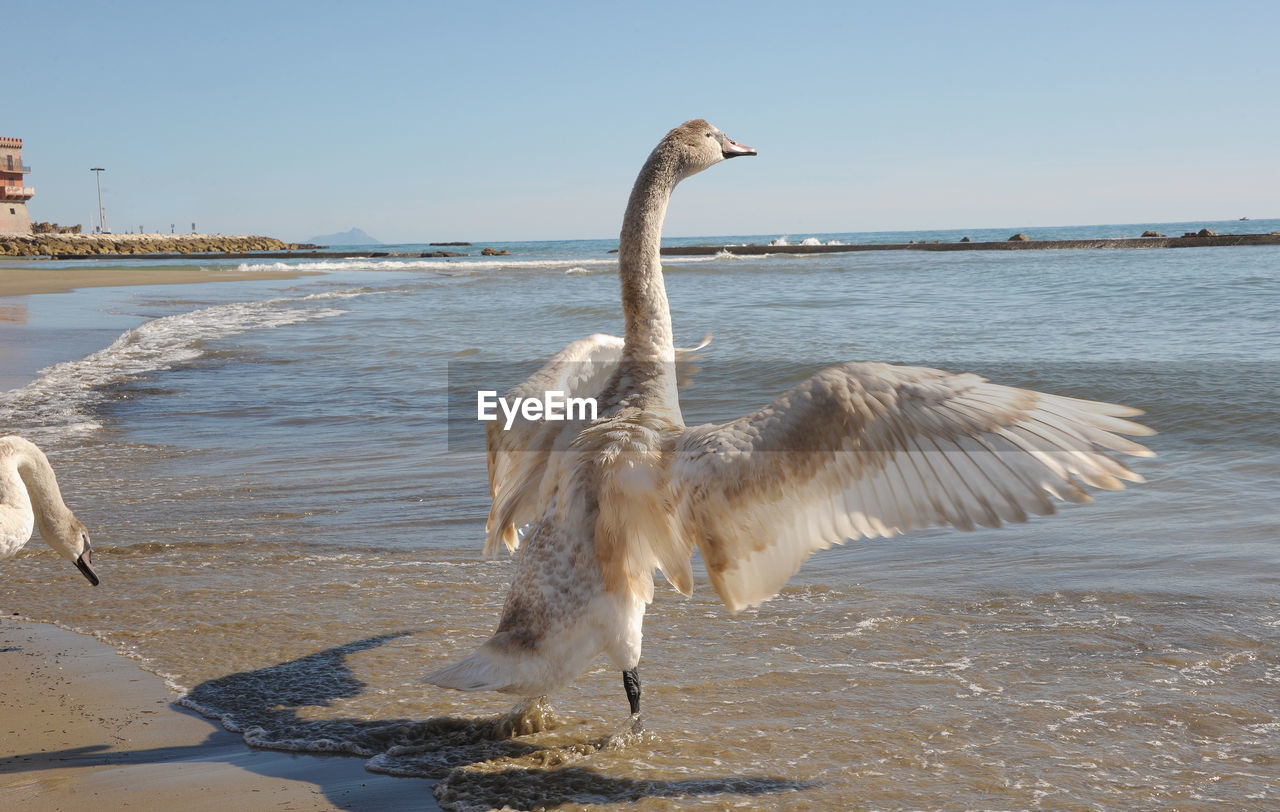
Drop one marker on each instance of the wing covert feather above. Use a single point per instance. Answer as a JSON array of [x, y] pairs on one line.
[[518, 456]]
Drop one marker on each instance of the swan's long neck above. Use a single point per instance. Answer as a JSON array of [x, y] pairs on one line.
[[42, 486], [648, 338]]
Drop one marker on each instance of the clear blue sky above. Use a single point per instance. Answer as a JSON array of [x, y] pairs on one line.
[[424, 121]]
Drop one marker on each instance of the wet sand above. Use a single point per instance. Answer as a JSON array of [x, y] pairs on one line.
[[23, 281], [81, 725]]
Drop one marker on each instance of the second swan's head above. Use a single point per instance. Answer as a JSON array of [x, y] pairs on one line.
[[70, 538], [699, 144]]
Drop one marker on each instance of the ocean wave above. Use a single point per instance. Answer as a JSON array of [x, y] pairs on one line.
[[61, 398], [576, 266], [450, 266], [785, 241], [669, 263]]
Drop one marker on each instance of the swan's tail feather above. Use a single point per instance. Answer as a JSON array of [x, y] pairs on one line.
[[500, 665], [475, 673], [508, 663]]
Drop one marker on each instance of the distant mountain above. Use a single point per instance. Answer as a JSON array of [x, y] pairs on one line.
[[353, 237]]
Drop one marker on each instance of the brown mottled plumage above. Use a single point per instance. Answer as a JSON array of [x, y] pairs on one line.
[[857, 450]]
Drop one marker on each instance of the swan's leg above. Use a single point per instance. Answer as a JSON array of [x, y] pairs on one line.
[[631, 681]]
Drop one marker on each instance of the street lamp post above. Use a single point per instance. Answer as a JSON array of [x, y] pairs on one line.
[[102, 223]]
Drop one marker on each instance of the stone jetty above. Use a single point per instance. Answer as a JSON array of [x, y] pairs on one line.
[[78, 246], [1017, 243]]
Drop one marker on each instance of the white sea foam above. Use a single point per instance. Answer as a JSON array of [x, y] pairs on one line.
[[443, 265], [463, 266], [61, 397]]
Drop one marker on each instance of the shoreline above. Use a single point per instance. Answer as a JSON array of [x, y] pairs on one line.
[[308, 253], [86, 726], [27, 281]]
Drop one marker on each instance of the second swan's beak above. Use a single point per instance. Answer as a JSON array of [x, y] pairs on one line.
[[83, 563], [732, 149]]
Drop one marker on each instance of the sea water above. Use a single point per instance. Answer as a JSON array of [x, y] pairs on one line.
[[288, 531]]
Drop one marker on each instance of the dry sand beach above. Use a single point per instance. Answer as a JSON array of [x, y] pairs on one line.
[[20, 279], [23, 276]]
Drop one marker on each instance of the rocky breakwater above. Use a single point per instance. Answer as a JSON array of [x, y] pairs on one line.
[[79, 246], [1205, 238]]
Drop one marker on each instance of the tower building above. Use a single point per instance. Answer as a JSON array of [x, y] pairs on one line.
[[14, 194]]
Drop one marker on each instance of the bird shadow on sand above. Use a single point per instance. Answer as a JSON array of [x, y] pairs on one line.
[[478, 761], [263, 705]]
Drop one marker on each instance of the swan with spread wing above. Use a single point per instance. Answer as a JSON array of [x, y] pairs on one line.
[[857, 450]]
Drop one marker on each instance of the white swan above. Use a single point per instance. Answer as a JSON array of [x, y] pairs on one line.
[[29, 496], [857, 450]]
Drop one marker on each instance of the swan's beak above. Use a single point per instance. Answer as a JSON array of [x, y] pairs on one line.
[[83, 564], [732, 149]]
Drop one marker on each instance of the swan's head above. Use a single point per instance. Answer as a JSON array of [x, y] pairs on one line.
[[698, 144], [70, 538]]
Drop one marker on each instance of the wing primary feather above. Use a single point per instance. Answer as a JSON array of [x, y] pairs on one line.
[[1022, 485], [918, 474], [997, 475], [951, 509], [840, 516], [883, 506], [969, 477], [1079, 453], [1062, 485], [909, 516]]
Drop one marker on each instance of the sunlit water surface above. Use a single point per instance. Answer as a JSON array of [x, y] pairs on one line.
[[286, 534]]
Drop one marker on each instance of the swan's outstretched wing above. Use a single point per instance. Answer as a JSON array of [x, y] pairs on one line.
[[863, 450], [518, 455]]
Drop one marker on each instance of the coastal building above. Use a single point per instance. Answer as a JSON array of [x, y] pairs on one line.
[[14, 194]]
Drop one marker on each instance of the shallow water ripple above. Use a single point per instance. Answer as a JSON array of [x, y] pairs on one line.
[[284, 533]]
